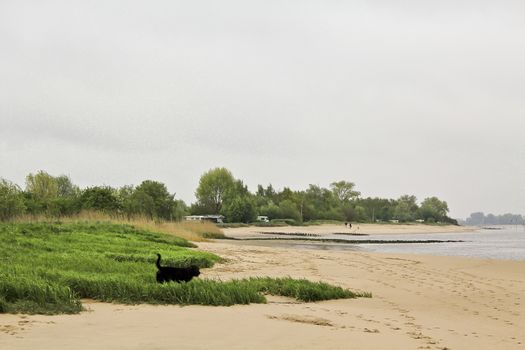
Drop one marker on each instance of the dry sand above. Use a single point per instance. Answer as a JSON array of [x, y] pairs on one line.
[[419, 302]]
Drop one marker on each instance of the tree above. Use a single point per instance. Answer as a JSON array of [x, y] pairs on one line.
[[240, 209], [214, 186], [125, 200], [65, 187], [180, 209], [11, 200], [381, 209], [271, 210], [42, 186], [477, 218], [320, 203], [289, 210], [406, 208], [41, 193], [100, 198], [152, 198], [433, 209], [344, 191], [361, 214], [54, 196]]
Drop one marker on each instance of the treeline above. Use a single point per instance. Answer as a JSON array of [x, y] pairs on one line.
[[479, 219], [218, 192], [58, 197]]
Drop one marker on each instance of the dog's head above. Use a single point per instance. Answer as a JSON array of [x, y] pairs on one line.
[[195, 270]]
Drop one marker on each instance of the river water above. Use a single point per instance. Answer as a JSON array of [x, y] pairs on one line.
[[505, 242]]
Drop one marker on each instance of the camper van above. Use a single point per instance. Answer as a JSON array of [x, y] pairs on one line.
[[213, 218], [262, 218]]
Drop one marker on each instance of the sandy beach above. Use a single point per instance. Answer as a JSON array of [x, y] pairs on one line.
[[419, 302]]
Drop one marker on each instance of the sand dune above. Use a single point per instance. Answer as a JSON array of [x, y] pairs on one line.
[[419, 302]]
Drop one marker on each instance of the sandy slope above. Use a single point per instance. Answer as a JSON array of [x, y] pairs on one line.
[[419, 302]]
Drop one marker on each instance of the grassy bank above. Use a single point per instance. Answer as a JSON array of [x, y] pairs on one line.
[[195, 231], [49, 267]]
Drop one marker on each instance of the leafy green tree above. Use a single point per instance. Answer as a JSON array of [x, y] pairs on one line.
[[143, 204], [41, 193], [42, 186], [153, 199], [361, 214], [240, 209], [100, 198], [381, 209], [289, 210], [268, 192], [271, 210], [348, 213], [180, 210], [260, 191], [65, 187], [344, 191], [11, 200], [433, 209], [214, 186], [285, 194], [239, 204], [406, 208], [125, 199], [67, 201], [320, 203]]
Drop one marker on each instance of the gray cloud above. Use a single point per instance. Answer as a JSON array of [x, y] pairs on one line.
[[416, 97]]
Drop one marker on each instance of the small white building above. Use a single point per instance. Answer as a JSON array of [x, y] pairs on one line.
[[219, 219], [263, 218]]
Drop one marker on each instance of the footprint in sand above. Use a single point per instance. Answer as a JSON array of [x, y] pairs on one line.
[[366, 330], [306, 319], [8, 329]]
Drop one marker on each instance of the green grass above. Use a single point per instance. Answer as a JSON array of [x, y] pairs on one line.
[[48, 267]]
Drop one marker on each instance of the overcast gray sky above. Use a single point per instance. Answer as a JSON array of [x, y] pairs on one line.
[[400, 97]]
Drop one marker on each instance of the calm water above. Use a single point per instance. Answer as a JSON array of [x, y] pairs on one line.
[[507, 243]]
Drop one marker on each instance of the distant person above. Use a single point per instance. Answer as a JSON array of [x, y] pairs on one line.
[[349, 225], [346, 224]]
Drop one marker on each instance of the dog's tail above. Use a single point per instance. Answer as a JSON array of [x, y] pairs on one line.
[[158, 261]]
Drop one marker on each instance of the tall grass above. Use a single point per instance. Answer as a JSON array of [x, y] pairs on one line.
[[196, 231], [49, 267]]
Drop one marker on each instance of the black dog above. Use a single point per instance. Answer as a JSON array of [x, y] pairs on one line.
[[177, 274]]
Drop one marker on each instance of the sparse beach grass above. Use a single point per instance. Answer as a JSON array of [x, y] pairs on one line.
[[48, 267]]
